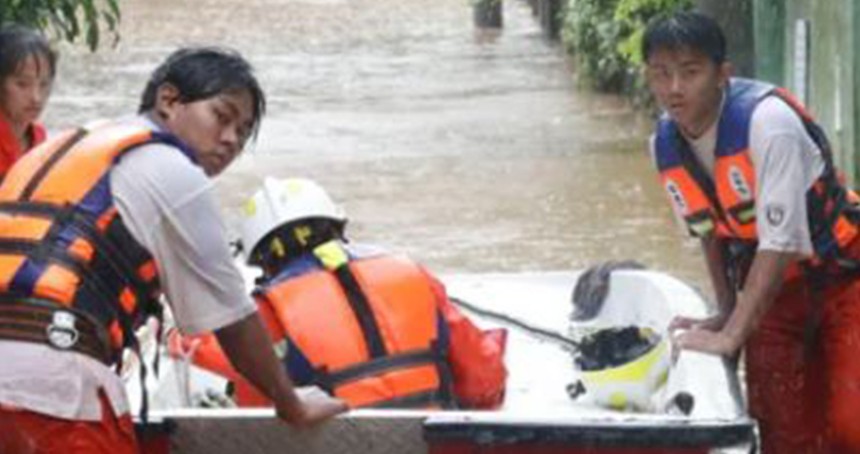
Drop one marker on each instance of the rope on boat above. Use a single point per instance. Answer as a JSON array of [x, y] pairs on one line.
[[553, 336]]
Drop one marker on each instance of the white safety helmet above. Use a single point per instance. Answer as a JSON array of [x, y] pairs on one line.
[[631, 385], [282, 201]]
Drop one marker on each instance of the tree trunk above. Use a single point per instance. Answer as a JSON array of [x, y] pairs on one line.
[[549, 12], [487, 13]]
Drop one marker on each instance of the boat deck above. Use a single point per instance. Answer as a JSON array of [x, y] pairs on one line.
[[537, 416]]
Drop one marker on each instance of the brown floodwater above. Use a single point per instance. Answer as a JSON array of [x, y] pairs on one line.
[[471, 151]]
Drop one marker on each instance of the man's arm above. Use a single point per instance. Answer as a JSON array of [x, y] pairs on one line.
[[787, 163], [204, 351], [723, 290], [760, 289], [167, 204], [246, 343]]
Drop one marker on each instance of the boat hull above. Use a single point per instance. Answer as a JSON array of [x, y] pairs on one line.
[[538, 416]]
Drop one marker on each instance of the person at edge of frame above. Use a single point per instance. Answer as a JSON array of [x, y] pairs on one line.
[[751, 174], [28, 66], [97, 223]]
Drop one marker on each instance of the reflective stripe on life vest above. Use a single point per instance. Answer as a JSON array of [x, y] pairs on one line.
[[723, 204]]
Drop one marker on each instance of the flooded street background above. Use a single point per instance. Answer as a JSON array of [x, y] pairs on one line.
[[470, 151]]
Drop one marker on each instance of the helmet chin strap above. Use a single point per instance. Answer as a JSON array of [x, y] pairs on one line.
[[281, 203], [294, 239]]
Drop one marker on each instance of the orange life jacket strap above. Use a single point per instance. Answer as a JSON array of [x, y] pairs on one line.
[[111, 254], [381, 360], [40, 174], [44, 252], [30, 319], [695, 169]]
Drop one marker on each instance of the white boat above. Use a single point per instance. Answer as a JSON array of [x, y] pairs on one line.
[[538, 414]]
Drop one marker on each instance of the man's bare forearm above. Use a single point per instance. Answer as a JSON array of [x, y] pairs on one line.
[[760, 289], [249, 348]]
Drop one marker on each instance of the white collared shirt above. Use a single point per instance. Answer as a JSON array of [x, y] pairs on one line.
[[167, 204]]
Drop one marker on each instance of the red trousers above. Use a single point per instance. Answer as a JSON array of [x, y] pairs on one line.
[[25, 432], [806, 395]]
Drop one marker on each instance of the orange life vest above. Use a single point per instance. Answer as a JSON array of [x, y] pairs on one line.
[[724, 204], [71, 275], [369, 329]]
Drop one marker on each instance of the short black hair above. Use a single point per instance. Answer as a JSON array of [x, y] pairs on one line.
[[18, 43], [200, 73], [692, 30]]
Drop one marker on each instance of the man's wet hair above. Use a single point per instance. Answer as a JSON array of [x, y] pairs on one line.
[[18, 43], [690, 30], [200, 73]]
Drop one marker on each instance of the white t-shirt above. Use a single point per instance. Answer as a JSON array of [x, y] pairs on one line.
[[787, 162], [168, 205]]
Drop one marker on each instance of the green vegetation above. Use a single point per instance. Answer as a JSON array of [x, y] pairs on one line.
[[605, 36], [67, 19]]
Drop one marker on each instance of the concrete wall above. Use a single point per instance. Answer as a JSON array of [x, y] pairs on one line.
[[832, 92], [736, 18]]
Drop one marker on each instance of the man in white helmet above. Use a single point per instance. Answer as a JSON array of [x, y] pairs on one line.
[[374, 329]]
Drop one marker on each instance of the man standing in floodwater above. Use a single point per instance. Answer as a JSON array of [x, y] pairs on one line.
[[752, 175]]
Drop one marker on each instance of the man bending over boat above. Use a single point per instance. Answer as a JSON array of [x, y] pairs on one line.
[[374, 329], [99, 222], [752, 175]]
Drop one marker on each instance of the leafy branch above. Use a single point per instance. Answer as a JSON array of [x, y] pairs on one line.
[[67, 19], [605, 38]]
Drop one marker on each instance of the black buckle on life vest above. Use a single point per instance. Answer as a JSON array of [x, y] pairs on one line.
[[43, 321], [701, 223], [743, 213]]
